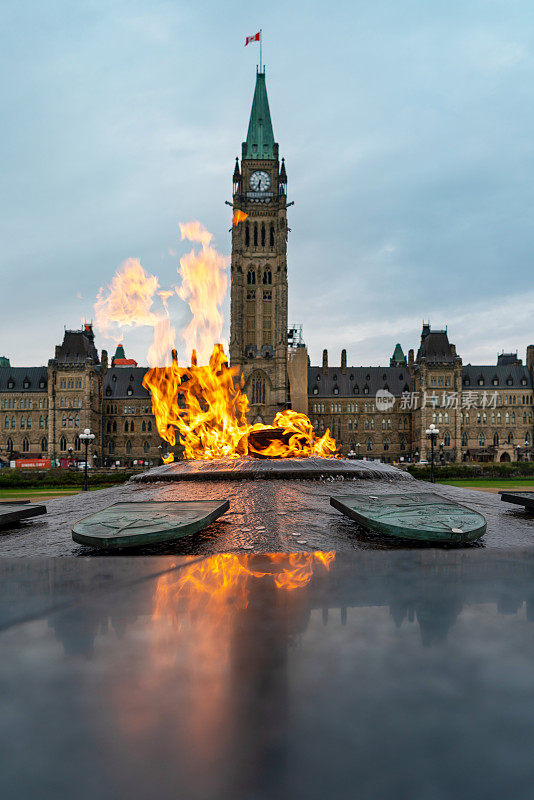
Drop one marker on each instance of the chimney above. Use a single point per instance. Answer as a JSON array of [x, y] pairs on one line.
[[104, 360], [453, 350], [343, 362], [410, 358], [325, 362], [530, 358]]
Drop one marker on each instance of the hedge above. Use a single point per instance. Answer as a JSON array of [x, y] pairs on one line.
[[38, 478], [507, 469]]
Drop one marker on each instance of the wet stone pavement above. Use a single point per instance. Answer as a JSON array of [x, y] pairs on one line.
[[266, 515]]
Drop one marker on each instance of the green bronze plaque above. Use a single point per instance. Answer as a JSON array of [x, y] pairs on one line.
[[11, 513], [424, 517], [525, 499], [144, 523]]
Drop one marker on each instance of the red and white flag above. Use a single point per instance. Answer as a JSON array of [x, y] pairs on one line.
[[255, 38]]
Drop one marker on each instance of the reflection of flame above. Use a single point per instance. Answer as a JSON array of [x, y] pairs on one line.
[[223, 579], [207, 407]]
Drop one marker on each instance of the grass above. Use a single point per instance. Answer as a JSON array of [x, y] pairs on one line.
[[41, 494], [506, 484]]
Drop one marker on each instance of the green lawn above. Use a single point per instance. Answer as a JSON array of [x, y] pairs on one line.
[[37, 494], [525, 484]]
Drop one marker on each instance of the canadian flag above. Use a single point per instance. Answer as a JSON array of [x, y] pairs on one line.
[[255, 38]]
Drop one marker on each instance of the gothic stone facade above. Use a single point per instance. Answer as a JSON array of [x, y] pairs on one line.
[[483, 413], [44, 409], [258, 326]]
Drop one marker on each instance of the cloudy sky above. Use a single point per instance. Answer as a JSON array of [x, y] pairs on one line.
[[408, 132]]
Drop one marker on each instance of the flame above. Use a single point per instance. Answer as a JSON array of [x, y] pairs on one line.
[[222, 579], [128, 303], [208, 409], [204, 285], [239, 216]]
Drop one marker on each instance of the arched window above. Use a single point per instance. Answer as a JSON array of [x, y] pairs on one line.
[[41, 422], [434, 417], [44, 444], [263, 234], [132, 426], [383, 424], [481, 439], [77, 444], [496, 439], [467, 417], [271, 237], [255, 234], [446, 417], [70, 422], [440, 417], [527, 438], [12, 422], [25, 445], [146, 447], [143, 426], [510, 438], [126, 427], [498, 417], [28, 422], [386, 444], [63, 444], [114, 426], [403, 444], [111, 446], [267, 277], [149, 425], [128, 446], [6, 422], [447, 439], [251, 277], [507, 418], [464, 439], [77, 421], [513, 417], [247, 234], [9, 445], [258, 390], [369, 444], [108, 427], [64, 421]]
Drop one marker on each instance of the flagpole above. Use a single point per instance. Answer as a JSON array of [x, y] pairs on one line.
[[261, 42]]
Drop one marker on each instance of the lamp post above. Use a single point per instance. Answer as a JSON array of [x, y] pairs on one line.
[[86, 437], [357, 449], [432, 432]]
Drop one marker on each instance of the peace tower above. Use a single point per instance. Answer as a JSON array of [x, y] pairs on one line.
[[258, 316]]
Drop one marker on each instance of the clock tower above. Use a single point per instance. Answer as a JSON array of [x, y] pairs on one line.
[[258, 321]]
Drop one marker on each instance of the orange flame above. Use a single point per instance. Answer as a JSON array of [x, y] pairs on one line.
[[204, 285], [224, 578], [128, 303], [239, 216], [208, 409]]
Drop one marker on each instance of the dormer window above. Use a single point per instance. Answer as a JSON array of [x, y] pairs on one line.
[[467, 382], [129, 391], [26, 384], [366, 390], [523, 381], [336, 389], [11, 384], [108, 392], [42, 384], [495, 381], [318, 378], [509, 381], [316, 390]]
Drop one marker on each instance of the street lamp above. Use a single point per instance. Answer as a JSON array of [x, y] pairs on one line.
[[86, 437], [432, 432], [357, 449]]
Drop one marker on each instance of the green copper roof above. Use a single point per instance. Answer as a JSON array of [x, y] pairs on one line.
[[119, 352], [260, 136], [398, 355], [4, 362]]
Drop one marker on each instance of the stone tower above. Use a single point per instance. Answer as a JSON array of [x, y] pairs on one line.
[[258, 324]]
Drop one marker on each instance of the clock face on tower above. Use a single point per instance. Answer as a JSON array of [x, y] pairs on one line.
[[260, 181]]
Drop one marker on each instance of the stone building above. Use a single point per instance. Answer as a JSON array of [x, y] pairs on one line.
[[483, 413], [44, 409], [258, 325]]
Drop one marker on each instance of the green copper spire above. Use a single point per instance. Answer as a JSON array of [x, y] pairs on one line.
[[260, 136], [398, 357]]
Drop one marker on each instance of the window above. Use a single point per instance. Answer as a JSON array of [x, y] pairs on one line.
[[128, 446], [267, 294], [481, 439], [63, 444], [44, 444], [143, 426], [464, 439], [258, 390], [28, 422], [132, 427], [115, 426], [77, 444], [129, 391], [447, 439], [496, 439], [22, 422], [369, 444], [12, 422], [64, 421], [149, 425], [108, 427], [247, 235], [25, 445], [9, 444], [251, 294], [251, 277], [263, 234], [146, 447], [271, 236], [77, 421], [111, 446], [510, 438], [386, 444], [6, 422], [255, 234], [267, 277]]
